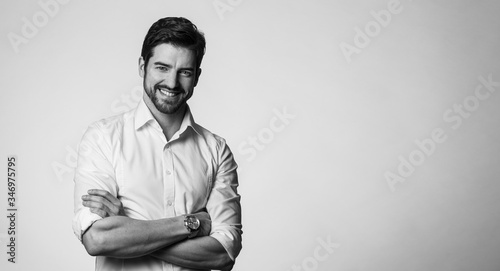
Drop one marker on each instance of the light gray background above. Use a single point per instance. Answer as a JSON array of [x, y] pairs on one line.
[[322, 174]]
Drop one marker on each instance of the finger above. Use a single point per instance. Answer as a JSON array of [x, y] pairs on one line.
[[93, 204], [106, 195], [98, 206], [98, 212], [102, 203], [98, 198]]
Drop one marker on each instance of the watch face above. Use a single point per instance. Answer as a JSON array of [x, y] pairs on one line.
[[193, 223]]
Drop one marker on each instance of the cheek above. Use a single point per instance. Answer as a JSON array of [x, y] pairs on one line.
[[151, 72], [151, 78], [187, 84]]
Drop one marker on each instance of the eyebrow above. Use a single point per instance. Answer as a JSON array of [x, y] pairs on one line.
[[162, 64], [170, 66]]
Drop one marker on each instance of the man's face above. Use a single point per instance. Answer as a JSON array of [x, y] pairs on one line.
[[169, 77]]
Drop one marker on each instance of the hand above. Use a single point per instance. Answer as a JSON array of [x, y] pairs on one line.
[[205, 223], [228, 268], [102, 203]]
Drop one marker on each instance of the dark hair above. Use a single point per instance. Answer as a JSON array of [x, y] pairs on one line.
[[177, 31]]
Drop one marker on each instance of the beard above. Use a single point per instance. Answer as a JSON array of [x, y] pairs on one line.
[[164, 104]]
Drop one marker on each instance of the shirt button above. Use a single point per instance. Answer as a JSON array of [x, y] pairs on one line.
[[168, 172], [169, 203]]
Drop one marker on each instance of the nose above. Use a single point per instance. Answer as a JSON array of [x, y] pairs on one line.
[[171, 80]]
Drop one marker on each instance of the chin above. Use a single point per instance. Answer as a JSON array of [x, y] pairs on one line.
[[169, 109]]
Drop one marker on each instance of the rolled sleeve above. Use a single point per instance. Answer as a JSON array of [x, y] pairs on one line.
[[93, 171], [224, 204]]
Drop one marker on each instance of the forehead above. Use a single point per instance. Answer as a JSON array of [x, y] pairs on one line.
[[173, 55]]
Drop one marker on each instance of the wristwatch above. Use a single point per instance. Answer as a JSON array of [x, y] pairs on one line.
[[192, 224]]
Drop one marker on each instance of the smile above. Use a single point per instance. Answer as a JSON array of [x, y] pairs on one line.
[[168, 93]]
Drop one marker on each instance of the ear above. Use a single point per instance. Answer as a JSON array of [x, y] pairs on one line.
[[198, 72], [141, 67]]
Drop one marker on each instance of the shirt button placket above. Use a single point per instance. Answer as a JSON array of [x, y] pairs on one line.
[[168, 182]]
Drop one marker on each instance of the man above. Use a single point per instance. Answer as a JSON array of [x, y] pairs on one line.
[[153, 189]]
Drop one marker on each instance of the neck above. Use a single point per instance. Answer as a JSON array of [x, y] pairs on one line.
[[170, 123]]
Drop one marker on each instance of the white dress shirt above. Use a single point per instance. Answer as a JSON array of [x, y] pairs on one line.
[[129, 156]]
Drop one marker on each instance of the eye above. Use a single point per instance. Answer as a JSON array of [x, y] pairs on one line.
[[162, 68], [186, 73]]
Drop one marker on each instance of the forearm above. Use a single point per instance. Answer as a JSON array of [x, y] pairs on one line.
[[124, 237], [198, 253]]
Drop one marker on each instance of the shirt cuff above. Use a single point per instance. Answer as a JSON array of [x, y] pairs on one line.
[[82, 221], [230, 242]]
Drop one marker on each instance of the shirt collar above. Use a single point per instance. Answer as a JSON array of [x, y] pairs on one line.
[[188, 121], [144, 116]]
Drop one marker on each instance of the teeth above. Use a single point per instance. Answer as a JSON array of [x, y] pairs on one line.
[[169, 94]]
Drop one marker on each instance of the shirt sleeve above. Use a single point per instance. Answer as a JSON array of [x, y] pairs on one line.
[[223, 203], [93, 171]]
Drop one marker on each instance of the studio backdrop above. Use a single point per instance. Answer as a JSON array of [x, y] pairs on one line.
[[366, 132]]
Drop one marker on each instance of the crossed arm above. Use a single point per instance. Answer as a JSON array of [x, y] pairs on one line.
[[108, 232], [122, 237]]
